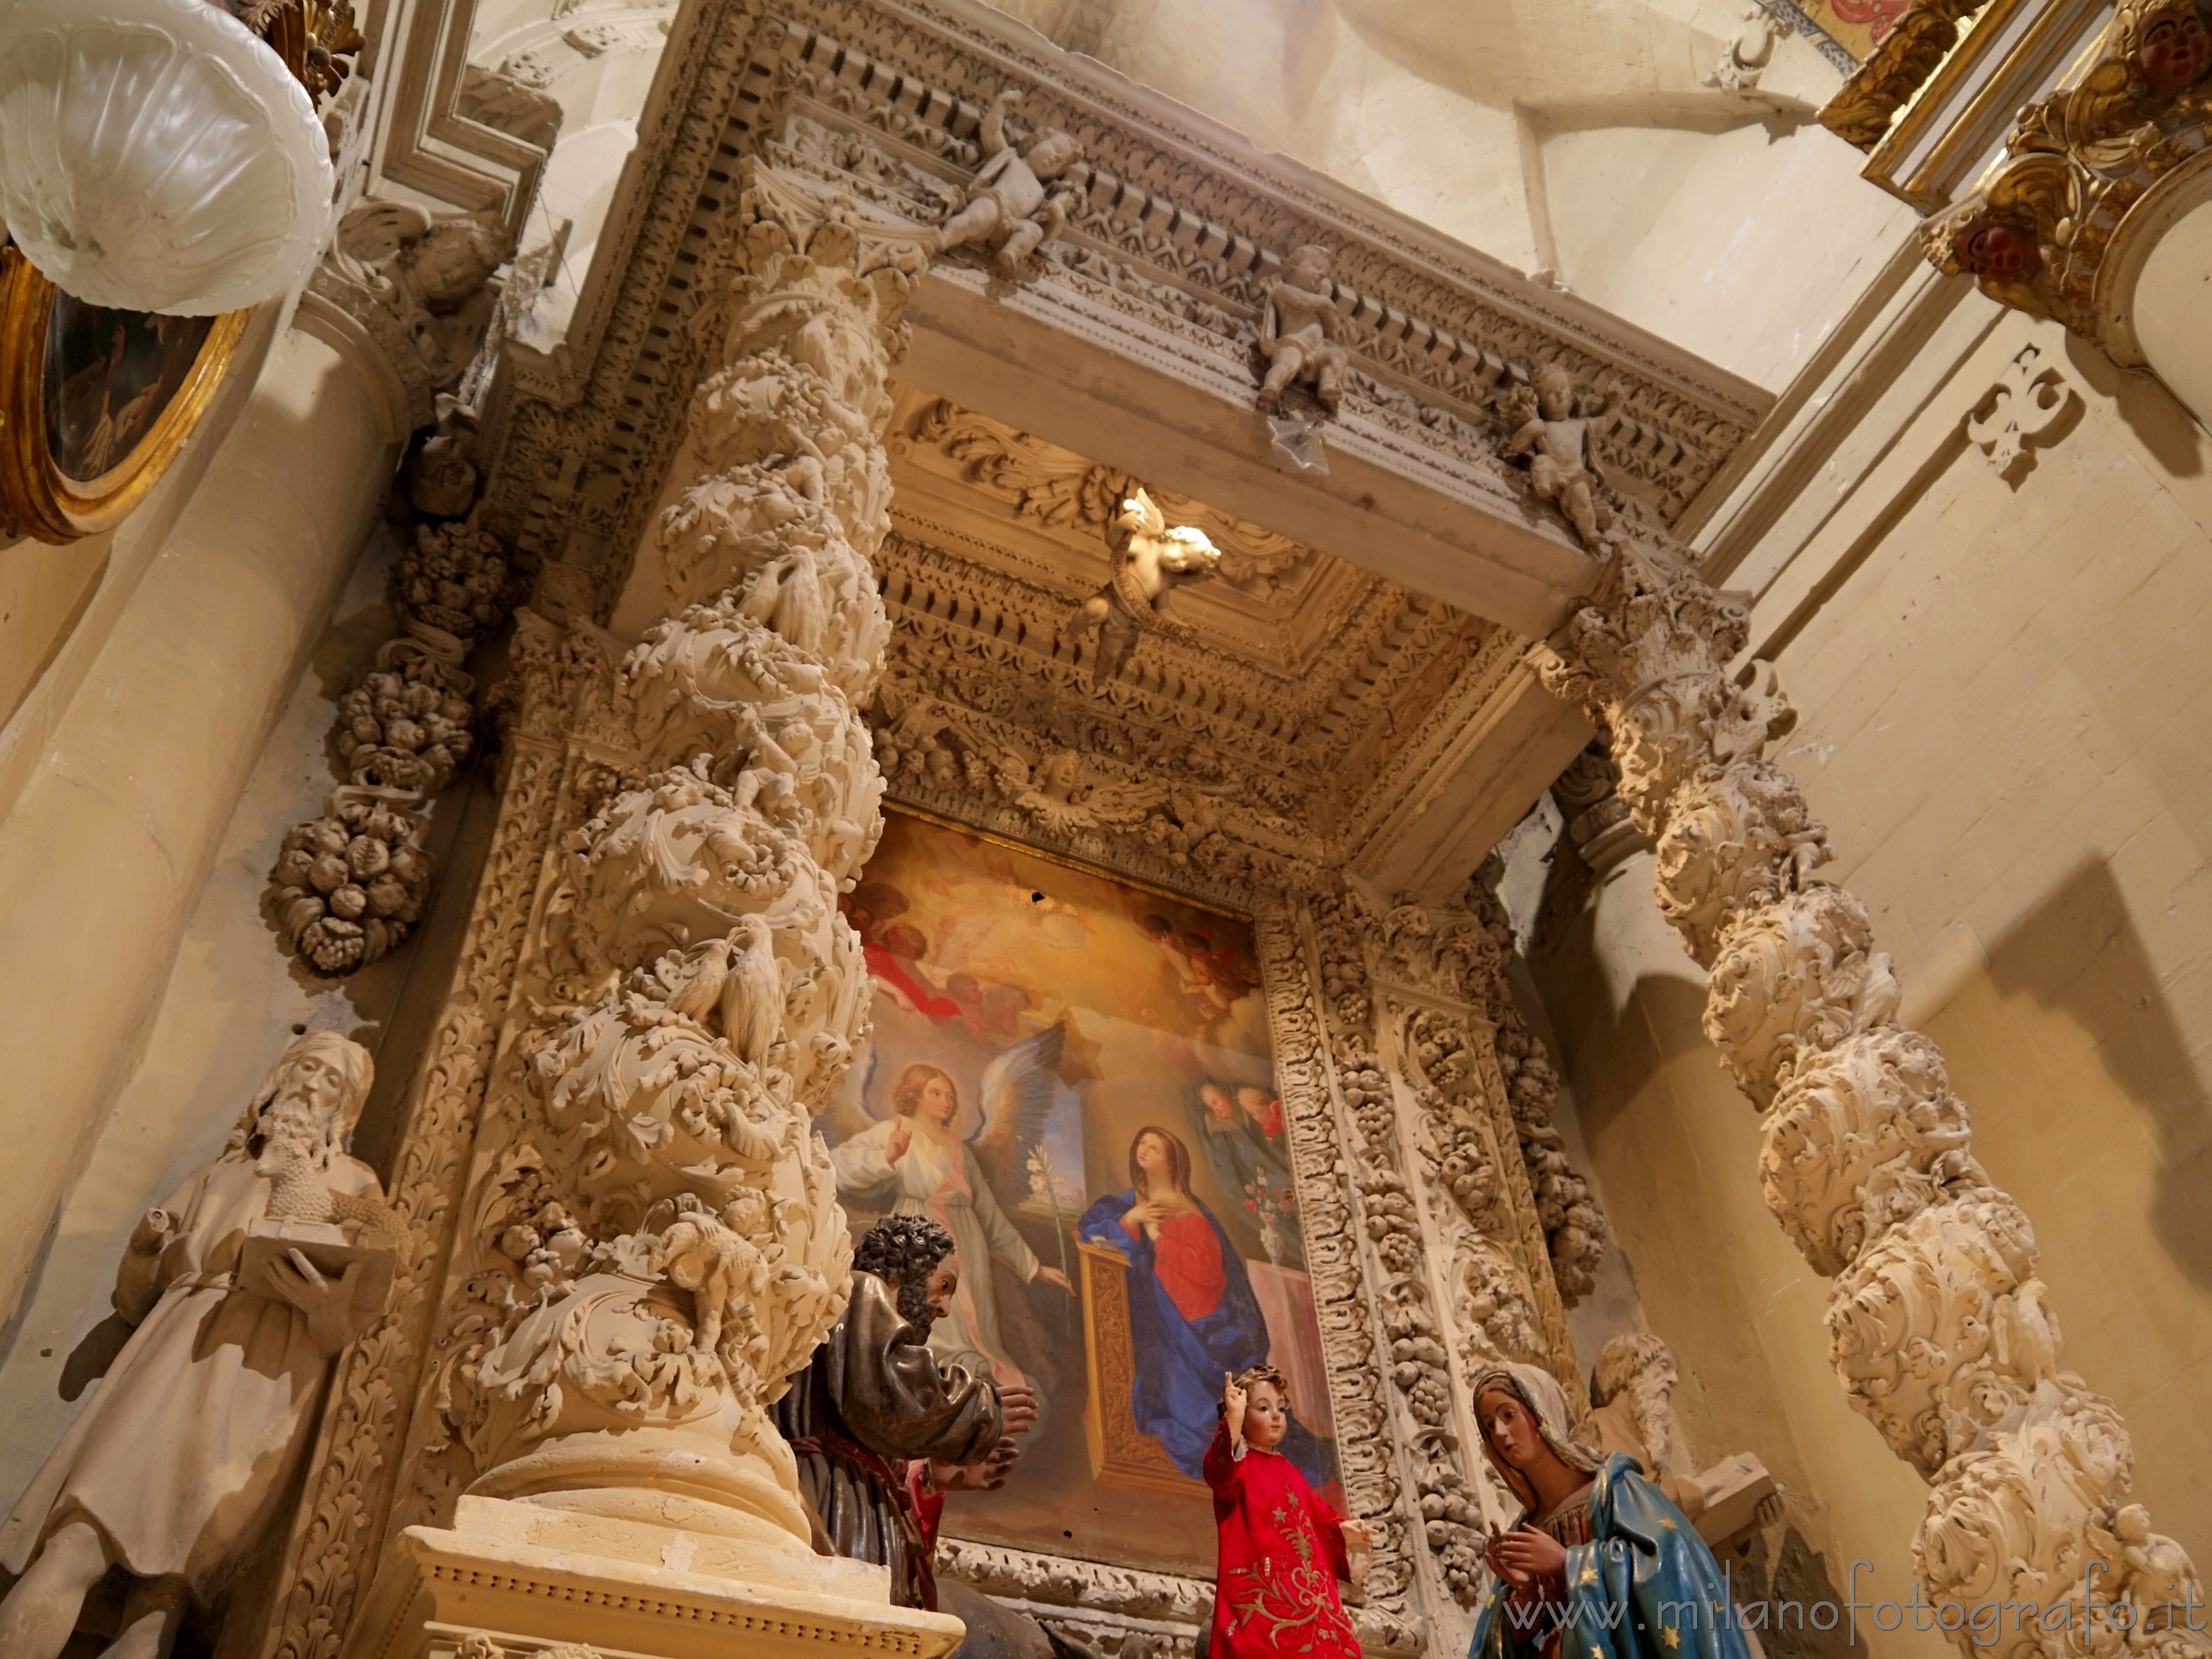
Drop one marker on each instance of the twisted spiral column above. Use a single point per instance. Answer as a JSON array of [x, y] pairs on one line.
[[672, 1239], [1938, 1323]]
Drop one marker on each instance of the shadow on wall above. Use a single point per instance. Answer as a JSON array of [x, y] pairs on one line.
[[2079, 953]]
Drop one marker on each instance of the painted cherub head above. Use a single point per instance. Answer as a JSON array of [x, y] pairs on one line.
[[2171, 46]]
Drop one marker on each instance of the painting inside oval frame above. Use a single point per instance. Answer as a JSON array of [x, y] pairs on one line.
[[96, 404], [1053, 1049]]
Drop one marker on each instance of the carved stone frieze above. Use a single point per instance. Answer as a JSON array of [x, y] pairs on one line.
[[1938, 1323], [1169, 246], [1347, 1296], [1458, 1261]]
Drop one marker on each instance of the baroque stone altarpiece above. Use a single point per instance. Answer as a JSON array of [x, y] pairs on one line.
[[725, 672]]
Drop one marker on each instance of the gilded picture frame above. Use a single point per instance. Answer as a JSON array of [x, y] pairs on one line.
[[83, 442]]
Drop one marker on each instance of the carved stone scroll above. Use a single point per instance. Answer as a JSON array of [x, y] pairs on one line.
[[1937, 1322]]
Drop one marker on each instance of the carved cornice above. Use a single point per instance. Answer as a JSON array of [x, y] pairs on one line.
[[1165, 260]]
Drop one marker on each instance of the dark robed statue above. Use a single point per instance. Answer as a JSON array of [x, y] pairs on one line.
[[874, 1396]]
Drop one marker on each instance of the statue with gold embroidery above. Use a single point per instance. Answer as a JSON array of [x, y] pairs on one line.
[[1599, 1560]]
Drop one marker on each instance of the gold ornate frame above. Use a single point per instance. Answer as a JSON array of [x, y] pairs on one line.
[[35, 494]]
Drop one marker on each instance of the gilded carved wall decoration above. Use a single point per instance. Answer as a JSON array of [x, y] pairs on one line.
[[1918, 38], [2083, 172]]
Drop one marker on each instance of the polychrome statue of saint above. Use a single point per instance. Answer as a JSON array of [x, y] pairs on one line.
[[1282, 1548], [1599, 1563]]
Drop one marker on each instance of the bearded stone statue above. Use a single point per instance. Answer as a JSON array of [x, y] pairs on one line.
[[242, 1286]]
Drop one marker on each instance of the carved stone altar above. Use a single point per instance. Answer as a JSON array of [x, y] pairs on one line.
[[655, 990]]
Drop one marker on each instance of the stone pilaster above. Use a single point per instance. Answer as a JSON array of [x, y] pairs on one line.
[[1937, 1322], [652, 1240]]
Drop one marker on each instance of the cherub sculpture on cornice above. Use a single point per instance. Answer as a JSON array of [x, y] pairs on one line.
[[1556, 427], [1151, 561], [1013, 207]]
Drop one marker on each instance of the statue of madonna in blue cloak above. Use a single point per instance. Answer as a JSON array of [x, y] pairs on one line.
[[1598, 1565], [1192, 1313]]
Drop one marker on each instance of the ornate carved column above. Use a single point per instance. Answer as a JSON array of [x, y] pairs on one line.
[[650, 1240], [1461, 1271], [1936, 1323]]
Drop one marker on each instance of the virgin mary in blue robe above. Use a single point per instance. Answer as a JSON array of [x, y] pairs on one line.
[[1639, 1585], [1192, 1313]]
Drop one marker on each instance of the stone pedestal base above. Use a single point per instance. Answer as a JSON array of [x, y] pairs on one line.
[[533, 1579]]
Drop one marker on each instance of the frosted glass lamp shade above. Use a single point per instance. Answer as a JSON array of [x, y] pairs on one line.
[[155, 156]]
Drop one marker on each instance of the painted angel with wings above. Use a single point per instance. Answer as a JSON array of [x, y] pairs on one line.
[[1151, 561], [936, 1155]]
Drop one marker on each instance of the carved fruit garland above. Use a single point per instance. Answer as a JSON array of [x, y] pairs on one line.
[[663, 1232], [1936, 1323], [348, 887]]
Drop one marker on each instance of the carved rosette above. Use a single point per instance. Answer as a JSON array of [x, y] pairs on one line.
[[667, 1242], [1937, 1322]]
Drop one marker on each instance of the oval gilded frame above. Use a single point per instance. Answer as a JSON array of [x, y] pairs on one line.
[[34, 493]]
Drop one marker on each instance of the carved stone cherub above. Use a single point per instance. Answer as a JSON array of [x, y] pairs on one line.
[[174, 1469], [431, 274], [1299, 333], [1012, 206], [1151, 561], [1554, 429]]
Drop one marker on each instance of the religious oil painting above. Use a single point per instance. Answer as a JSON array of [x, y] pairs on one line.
[[1073, 1076], [110, 374], [95, 404]]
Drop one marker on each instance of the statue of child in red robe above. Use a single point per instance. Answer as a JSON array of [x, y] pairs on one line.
[[1282, 1548]]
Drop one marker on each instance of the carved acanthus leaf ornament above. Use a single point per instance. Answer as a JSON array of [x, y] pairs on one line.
[[1938, 1326], [2084, 170]]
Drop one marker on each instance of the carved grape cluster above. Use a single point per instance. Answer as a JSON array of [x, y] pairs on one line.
[[453, 579], [409, 724], [348, 886]]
